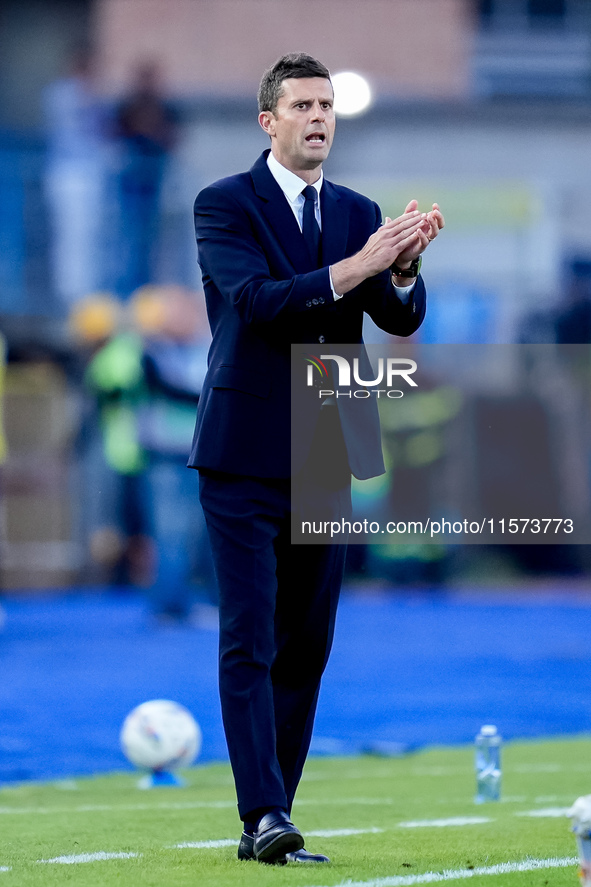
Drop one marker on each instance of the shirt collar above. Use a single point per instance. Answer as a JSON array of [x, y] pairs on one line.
[[291, 185]]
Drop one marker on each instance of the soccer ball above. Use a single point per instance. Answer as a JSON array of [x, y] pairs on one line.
[[160, 735]]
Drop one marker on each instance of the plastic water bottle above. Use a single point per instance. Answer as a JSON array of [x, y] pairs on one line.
[[488, 764], [581, 816]]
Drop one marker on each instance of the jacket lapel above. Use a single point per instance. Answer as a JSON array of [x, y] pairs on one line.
[[280, 217], [335, 225]]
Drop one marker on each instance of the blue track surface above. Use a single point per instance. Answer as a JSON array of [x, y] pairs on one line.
[[409, 670]]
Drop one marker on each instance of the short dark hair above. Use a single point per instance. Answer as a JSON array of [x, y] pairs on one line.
[[295, 65]]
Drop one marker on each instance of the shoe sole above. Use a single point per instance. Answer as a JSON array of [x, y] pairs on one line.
[[279, 846]]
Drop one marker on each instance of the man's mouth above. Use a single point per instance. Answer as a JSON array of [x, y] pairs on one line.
[[316, 138]]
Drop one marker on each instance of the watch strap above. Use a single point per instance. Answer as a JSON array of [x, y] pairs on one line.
[[411, 271]]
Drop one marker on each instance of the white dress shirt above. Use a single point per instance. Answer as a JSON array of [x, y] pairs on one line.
[[292, 187]]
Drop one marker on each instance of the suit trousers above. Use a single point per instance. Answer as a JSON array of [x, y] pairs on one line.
[[278, 605]]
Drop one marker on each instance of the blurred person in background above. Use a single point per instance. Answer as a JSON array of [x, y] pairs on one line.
[[3, 454], [146, 126], [145, 364], [572, 323], [568, 323], [75, 178], [174, 361], [115, 511], [3, 445]]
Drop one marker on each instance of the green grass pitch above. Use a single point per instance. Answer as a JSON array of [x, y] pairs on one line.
[[385, 822]]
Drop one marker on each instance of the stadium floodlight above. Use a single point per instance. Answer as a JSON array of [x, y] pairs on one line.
[[352, 93]]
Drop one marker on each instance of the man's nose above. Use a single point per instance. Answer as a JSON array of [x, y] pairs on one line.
[[318, 111]]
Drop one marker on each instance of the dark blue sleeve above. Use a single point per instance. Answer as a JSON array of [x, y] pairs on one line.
[[235, 261]]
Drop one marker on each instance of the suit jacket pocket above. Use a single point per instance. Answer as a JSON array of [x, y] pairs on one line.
[[237, 379]]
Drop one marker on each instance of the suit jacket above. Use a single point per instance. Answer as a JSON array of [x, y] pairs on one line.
[[263, 294]]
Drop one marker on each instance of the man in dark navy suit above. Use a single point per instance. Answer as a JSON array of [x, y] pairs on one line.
[[286, 257]]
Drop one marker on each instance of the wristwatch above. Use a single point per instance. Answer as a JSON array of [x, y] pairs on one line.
[[412, 271]]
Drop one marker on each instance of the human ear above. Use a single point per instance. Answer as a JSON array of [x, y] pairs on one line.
[[267, 122]]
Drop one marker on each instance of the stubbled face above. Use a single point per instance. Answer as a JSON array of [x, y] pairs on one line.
[[302, 127]]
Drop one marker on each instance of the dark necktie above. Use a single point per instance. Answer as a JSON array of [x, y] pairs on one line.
[[310, 228]]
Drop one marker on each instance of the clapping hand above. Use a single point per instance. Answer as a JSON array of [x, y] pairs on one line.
[[432, 223]]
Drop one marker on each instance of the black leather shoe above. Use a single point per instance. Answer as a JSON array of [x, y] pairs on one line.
[[305, 857], [275, 836], [246, 849], [246, 852], [246, 846]]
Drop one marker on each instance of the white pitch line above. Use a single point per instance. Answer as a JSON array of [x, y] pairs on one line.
[[504, 868], [545, 812], [108, 808], [89, 857], [343, 832], [549, 767], [360, 802], [5, 868], [444, 823], [539, 768], [321, 833], [177, 805], [185, 805]]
